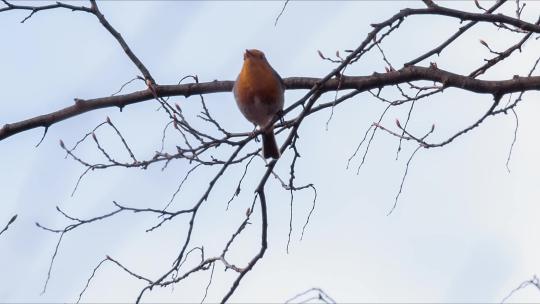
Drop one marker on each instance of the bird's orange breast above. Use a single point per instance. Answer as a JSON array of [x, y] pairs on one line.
[[258, 91], [257, 80]]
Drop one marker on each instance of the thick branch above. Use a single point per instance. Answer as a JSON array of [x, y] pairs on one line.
[[462, 15], [361, 83]]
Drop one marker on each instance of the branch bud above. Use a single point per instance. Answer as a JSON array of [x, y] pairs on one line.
[[397, 123], [62, 144], [12, 219], [484, 43]]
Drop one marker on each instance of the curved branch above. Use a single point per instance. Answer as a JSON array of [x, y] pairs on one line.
[[360, 83], [462, 15]]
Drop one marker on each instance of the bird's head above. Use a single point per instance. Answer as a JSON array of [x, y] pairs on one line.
[[254, 55]]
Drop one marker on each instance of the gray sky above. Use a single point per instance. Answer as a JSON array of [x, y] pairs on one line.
[[464, 229]]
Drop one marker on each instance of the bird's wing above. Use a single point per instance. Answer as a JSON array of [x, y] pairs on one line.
[[283, 86]]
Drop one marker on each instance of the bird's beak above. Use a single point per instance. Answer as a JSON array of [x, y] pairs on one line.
[[247, 54]]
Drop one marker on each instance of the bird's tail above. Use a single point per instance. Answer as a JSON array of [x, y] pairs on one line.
[[270, 147]]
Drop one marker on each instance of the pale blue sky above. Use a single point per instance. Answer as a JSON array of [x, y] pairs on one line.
[[464, 229]]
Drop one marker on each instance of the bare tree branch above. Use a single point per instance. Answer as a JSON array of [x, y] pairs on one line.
[[310, 295], [281, 12], [360, 83], [534, 282], [447, 42], [93, 9], [122, 42], [13, 218], [194, 145]]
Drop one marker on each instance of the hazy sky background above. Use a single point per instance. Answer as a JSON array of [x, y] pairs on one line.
[[464, 230]]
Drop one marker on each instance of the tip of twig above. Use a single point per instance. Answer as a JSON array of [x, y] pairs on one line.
[[12, 219], [484, 43], [478, 5]]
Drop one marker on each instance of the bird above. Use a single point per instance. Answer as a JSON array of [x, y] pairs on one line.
[[260, 93]]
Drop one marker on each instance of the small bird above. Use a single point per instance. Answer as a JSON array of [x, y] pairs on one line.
[[259, 93]]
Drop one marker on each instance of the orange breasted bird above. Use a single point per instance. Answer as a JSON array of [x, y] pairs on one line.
[[259, 93]]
